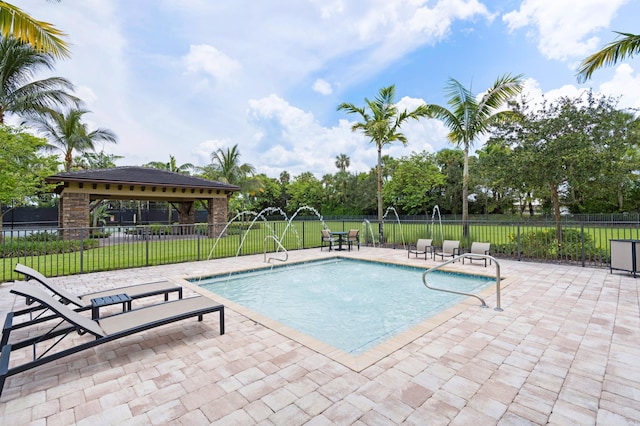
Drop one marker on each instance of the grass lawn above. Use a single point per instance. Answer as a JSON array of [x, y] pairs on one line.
[[528, 241]]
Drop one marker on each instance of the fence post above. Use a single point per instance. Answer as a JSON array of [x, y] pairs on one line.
[[198, 239], [275, 232], [519, 258], [582, 243], [146, 245], [81, 250]]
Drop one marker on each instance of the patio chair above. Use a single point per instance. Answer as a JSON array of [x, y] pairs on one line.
[[327, 238], [479, 248], [422, 246], [353, 238], [450, 248], [104, 329], [136, 291]]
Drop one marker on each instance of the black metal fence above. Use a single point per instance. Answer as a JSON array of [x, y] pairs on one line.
[[119, 247]]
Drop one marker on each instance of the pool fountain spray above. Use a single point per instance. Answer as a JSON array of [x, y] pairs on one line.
[[367, 226], [433, 215], [391, 208]]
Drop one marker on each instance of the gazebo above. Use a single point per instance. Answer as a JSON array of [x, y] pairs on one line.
[[79, 188]]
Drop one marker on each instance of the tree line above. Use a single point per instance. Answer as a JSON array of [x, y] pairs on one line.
[[577, 154]]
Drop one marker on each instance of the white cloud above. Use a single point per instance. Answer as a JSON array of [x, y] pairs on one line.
[[329, 8], [204, 149], [209, 60], [323, 87], [564, 28], [148, 76], [87, 95], [624, 84], [298, 143]]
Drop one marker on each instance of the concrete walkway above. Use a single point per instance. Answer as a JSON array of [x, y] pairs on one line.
[[565, 350]]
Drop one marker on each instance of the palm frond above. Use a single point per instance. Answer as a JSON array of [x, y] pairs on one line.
[[613, 52], [504, 88], [44, 37]]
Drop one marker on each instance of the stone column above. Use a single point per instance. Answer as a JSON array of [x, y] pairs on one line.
[[74, 215], [217, 216]]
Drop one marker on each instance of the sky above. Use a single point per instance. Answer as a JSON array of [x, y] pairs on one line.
[[185, 78]]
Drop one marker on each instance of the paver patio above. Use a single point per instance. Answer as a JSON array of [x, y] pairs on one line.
[[565, 350]]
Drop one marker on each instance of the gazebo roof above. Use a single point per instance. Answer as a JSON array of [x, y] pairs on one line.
[[131, 175]]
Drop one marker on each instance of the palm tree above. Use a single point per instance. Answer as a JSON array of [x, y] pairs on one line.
[[470, 117], [343, 162], [95, 160], [226, 167], [42, 36], [19, 94], [68, 133], [627, 46], [172, 166], [381, 122]]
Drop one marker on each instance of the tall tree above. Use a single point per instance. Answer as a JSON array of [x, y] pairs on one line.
[[451, 163], [95, 160], [22, 168], [342, 177], [470, 117], [171, 166], [410, 194], [568, 148], [305, 191], [343, 162], [44, 37], [226, 167], [66, 132], [20, 94], [617, 50], [381, 122]]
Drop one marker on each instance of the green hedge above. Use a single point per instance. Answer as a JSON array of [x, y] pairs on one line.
[[43, 243]]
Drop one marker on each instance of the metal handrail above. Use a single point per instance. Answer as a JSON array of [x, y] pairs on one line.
[[279, 245], [468, 256]]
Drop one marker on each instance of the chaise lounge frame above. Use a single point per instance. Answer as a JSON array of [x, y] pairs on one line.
[[104, 329], [135, 291]]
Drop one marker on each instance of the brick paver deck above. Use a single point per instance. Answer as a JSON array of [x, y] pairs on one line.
[[565, 350]]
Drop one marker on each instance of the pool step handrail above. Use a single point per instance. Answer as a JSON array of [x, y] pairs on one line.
[[286, 253], [474, 256]]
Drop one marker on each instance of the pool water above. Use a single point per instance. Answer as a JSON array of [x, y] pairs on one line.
[[352, 305]]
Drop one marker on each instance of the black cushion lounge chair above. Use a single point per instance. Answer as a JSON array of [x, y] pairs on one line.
[[104, 329], [136, 291]]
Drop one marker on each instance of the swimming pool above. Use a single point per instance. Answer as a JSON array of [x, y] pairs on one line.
[[352, 305]]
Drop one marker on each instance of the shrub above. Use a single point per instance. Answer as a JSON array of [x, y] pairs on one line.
[[29, 246], [543, 244]]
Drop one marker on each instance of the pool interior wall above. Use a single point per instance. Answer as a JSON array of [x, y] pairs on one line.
[[356, 356]]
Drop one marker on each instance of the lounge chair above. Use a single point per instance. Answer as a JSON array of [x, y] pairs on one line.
[[83, 302], [450, 248], [327, 238], [353, 237], [422, 246], [104, 329], [479, 248]]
